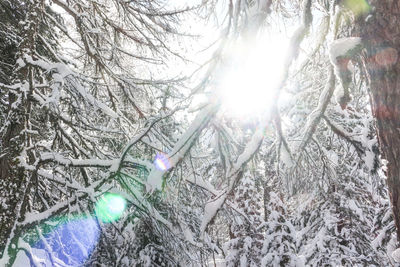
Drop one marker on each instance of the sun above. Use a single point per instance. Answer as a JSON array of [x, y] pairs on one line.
[[251, 75]]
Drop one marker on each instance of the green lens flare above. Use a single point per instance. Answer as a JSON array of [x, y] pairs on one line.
[[359, 7], [110, 207]]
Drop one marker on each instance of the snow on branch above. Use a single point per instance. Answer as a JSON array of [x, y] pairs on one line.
[[341, 51], [235, 173], [396, 255], [60, 72], [299, 34], [346, 136], [315, 117], [136, 139], [210, 189], [154, 181], [60, 159], [343, 47]]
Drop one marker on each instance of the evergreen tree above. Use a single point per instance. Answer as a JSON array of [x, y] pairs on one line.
[[335, 226], [244, 246], [279, 248]]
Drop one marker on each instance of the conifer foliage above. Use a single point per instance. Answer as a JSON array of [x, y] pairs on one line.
[[244, 246], [279, 248]]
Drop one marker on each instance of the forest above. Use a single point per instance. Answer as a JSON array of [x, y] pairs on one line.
[[199, 133]]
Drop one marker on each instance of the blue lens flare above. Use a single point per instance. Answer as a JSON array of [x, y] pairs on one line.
[[70, 243]]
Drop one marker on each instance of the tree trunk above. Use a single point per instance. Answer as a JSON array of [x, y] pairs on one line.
[[380, 32], [16, 144]]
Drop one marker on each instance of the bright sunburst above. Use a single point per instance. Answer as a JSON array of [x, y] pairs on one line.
[[252, 74]]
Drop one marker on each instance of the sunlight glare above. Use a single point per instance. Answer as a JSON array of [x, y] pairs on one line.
[[162, 162], [110, 207], [252, 73]]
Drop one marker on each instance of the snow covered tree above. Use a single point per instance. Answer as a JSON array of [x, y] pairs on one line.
[[279, 247], [76, 96], [136, 243], [333, 233], [244, 246], [384, 232], [93, 110], [335, 221]]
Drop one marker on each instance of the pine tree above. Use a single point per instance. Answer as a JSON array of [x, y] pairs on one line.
[[244, 246], [336, 225], [279, 248], [384, 238]]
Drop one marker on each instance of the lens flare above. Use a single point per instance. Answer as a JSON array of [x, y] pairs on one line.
[[162, 162], [70, 243], [359, 7], [386, 57], [110, 207]]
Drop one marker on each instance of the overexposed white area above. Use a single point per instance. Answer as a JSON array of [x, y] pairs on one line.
[[251, 74]]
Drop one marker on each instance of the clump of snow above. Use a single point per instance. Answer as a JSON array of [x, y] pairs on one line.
[[286, 157], [396, 255], [332, 156], [154, 180], [20, 63], [211, 209], [22, 259], [353, 206], [342, 46], [339, 93], [384, 164]]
